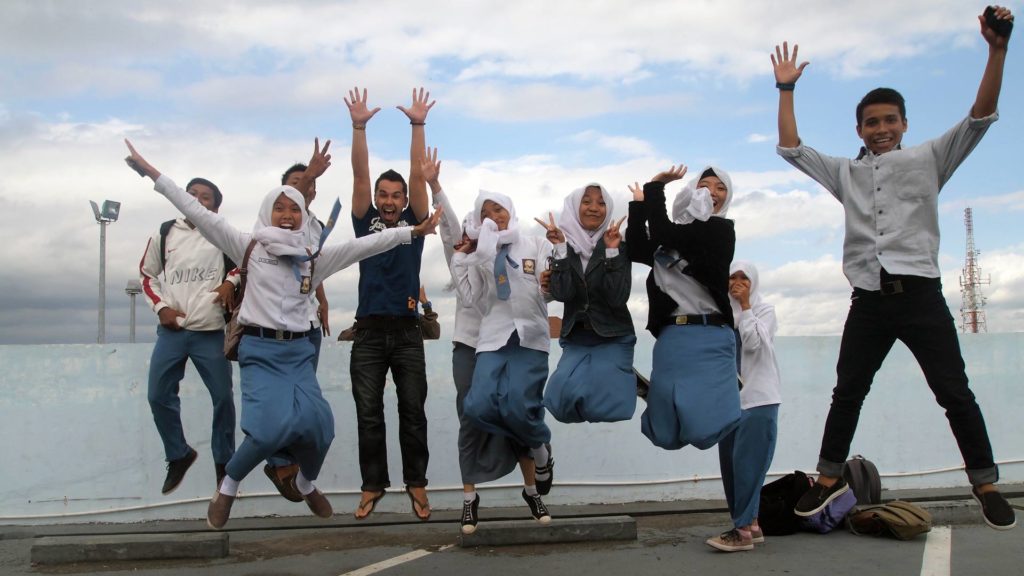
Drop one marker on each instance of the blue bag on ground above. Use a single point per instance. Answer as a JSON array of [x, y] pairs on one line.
[[832, 515]]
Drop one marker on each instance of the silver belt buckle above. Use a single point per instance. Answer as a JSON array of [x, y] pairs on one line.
[[279, 335]]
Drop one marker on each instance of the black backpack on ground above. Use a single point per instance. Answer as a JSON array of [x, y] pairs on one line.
[[862, 476], [775, 515]]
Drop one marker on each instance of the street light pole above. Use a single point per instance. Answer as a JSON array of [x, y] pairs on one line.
[[108, 214], [134, 287]]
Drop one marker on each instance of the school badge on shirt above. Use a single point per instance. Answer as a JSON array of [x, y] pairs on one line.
[[529, 266]]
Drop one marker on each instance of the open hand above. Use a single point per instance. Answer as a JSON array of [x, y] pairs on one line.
[[431, 166], [670, 175], [554, 235], [428, 226], [786, 69], [357, 108], [417, 113]]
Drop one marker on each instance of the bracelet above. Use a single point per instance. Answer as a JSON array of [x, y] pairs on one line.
[[358, 126], [417, 123], [785, 86]]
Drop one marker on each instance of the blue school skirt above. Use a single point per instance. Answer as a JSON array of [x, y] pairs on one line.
[[594, 380], [694, 397], [507, 393]]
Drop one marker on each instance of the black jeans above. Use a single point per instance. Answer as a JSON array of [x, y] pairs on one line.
[[918, 317], [398, 347]]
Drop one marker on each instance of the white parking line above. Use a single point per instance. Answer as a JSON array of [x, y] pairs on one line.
[[937, 552], [392, 562]]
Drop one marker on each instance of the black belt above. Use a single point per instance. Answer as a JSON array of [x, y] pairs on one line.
[[892, 285], [274, 334], [380, 322], [714, 319]]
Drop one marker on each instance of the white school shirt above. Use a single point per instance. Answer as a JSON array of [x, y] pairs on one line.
[[186, 283], [891, 200], [758, 366], [272, 296], [526, 310], [467, 318], [315, 232]]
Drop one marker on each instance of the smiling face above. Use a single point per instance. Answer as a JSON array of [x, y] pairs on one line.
[[204, 194], [286, 213], [293, 181], [391, 200], [882, 127], [719, 191], [593, 209], [495, 212], [738, 278]]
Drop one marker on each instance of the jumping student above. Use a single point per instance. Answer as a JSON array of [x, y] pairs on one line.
[[502, 277], [693, 397], [282, 405], [186, 281], [590, 273], [890, 256], [483, 457], [746, 453]]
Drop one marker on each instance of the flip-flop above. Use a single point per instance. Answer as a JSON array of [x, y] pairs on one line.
[[422, 506], [371, 503]]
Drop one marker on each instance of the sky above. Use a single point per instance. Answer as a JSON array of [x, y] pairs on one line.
[[534, 99]]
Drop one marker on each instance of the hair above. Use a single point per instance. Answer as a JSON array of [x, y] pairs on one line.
[[217, 196], [297, 167], [391, 176], [706, 173], [881, 96]]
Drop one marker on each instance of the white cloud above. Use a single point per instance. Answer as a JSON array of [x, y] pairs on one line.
[[756, 138]]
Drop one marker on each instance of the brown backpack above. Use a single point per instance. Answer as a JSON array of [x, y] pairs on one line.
[[901, 520]]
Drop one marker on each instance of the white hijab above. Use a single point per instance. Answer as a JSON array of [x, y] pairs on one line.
[[486, 232], [583, 241], [279, 241], [694, 203], [750, 270]]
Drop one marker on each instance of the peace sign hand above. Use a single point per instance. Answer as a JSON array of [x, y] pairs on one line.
[[638, 192], [321, 160], [612, 237], [554, 235]]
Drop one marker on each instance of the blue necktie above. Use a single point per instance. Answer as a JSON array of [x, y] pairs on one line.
[[501, 272], [335, 211]]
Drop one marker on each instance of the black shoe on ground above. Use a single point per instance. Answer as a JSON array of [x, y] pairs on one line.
[[176, 471], [469, 515], [537, 508], [544, 486], [819, 496], [995, 509], [643, 385]]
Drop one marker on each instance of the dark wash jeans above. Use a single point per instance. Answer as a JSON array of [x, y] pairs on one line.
[[920, 319], [398, 347]]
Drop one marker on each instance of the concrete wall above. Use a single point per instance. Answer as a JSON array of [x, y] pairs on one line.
[[79, 443]]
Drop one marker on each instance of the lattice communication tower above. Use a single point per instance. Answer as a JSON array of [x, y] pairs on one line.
[[972, 314]]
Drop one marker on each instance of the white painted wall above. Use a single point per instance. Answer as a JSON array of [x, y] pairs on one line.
[[78, 442]]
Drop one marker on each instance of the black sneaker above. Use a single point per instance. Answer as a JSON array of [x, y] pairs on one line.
[[544, 486], [996, 511], [537, 508], [469, 514], [176, 471], [819, 496]]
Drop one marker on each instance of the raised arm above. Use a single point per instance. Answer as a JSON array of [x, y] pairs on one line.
[[641, 249], [417, 114], [341, 255], [992, 79], [449, 228], [787, 72], [362, 193]]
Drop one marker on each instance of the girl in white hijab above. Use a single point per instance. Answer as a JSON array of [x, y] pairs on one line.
[[590, 273], [502, 279], [746, 453], [693, 397], [283, 408]]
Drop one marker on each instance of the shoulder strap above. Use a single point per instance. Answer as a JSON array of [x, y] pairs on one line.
[[244, 271], [165, 229]]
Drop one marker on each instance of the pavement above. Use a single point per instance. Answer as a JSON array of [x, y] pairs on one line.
[[188, 545]]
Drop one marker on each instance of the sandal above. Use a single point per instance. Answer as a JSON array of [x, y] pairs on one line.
[[423, 505], [372, 504]]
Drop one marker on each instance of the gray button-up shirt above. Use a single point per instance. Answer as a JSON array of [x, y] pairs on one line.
[[891, 200]]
